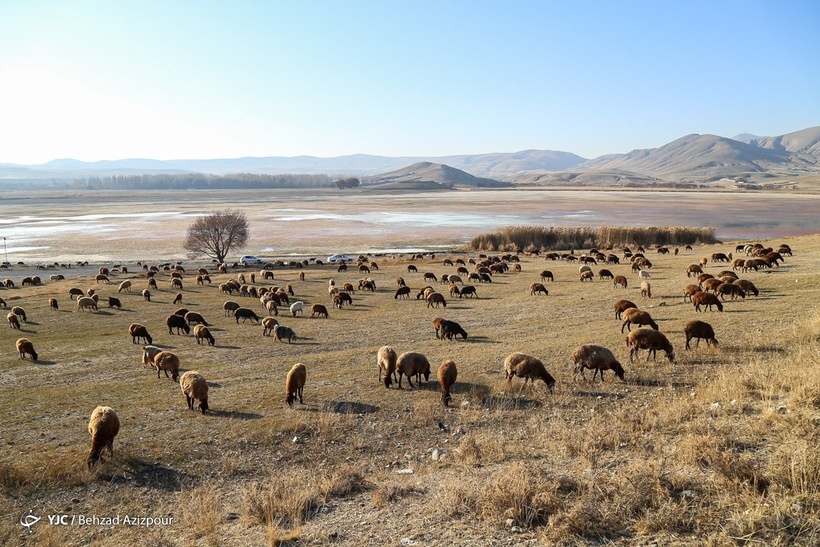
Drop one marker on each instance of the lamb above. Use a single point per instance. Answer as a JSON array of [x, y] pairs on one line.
[[619, 280], [651, 340], [148, 353], [283, 333], [411, 364], [295, 383], [194, 317], [447, 374], [267, 325], [165, 361], [125, 286], [229, 307], [597, 358], [103, 426], [320, 310], [138, 331], [195, 388], [175, 321], [646, 289], [296, 308], [538, 288], [634, 316], [621, 306], [699, 329], [14, 321], [24, 347], [434, 299], [86, 302], [244, 314], [707, 300], [114, 303], [20, 312], [527, 367], [386, 361]]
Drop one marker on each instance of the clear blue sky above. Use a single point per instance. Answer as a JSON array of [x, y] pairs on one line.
[[168, 79]]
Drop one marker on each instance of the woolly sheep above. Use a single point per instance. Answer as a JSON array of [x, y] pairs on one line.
[[195, 388], [451, 329], [201, 332], [148, 353], [175, 321], [194, 317], [267, 325], [14, 321], [244, 314], [52, 304], [103, 426], [596, 358], [619, 280], [646, 289], [281, 332], [20, 312], [295, 383], [546, 275], [386, 362], [125, 286], [538, 288], [165, 361], [146, 294], [527, 367], [296, 308], [411, 364], [114, 303], [690, 290], [26, 347], [229, 307], [402, 292], [434, 299], [623, 305], [587, 276], [699, 329], [707, 300], [634, 316], [651, 340], [178, 298], [138, 331], [319, 309], [747, 286], [643, 274], [447, 374]]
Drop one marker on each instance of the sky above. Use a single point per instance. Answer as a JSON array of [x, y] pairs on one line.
[[104, 80]]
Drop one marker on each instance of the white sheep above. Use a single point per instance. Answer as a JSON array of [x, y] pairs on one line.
[[148, 353], [643, 274], [296, 308]]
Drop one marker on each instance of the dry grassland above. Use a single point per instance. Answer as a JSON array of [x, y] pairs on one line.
[[719, 448]]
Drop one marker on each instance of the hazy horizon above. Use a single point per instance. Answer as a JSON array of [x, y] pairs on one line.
[[93, 81]]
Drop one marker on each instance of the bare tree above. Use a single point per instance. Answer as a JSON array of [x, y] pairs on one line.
[[217, 234]]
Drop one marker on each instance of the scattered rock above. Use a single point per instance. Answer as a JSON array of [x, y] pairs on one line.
[[436, 455], [407, 471], [232, 516]]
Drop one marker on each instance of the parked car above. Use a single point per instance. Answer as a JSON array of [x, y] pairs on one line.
[[340, 258], [250, 259]]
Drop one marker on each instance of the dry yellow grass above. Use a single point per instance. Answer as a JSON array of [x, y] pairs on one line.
[[719, 448]]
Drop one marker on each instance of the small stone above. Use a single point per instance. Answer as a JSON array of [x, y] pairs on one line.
[[688, 494], [510, 523], [407, 541], [295, 440], [436, 455], [407, 471], [232, 516]]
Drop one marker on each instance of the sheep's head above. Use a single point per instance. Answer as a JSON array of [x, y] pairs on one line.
[[618, 369], [670, 354], [203, 405]]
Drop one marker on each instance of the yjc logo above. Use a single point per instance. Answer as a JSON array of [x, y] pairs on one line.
[[29, 520]]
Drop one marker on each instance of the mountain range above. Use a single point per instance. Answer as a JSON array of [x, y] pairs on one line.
[[695, 159]]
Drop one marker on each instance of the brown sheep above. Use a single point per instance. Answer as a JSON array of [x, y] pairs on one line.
[[101, 278], [138, 331], [546, 275], [703, 277], [699, 329], [195, 317], [52, 304], [605, 274], [295, 384], [402, 292], [244, 314], [692, 270], [587, 276], [320, 310], [386, 362], [711, 285], [14, 321], [623, 305], [619, 280], [20, 312], [447, 374], [267, 325], [412, 364], [201, 332], [690, 290], [195, 388], [731, 289], [165, 361], [26, 347], [175, 321], [527, 367], [103, 426], [634, 316], [651, 340], [596, 358], [146, 294], [747, 286], [646, 289], [434, 299], [538, 288], [707, 300], [178, 298]]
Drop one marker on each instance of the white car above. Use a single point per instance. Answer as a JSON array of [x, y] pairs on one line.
[[340, 258], [250, 259]]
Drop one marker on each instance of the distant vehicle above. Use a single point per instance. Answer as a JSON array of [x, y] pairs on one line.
[[250, 259], [340, 258]]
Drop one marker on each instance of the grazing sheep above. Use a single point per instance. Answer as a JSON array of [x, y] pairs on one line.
[[175, 321], [412, 269], [296, 308], [711, 284], [412, 364], [25, 346], [605, 274], [146, 294], [434, 299], [634, 316], [270, 305], [447, 374], [643, 274], [731, 289], [178, 298], [699, 329], [651, 340], [430, 276], [20, 312], [451, 329], [229, 307], [101, 278], [402, 292], [587, 276], [267, 325], [690, 290], [646, 289], [318, 309], [623, 305], [245, 314], [546, 275], [165, 361], [14, 321], [538, 288], [468, 291], [281, 332], [707, 300], [124, 286], [527, 367], [747, 286], [138, 331], [52, 304], [195, 388], [86, 302], [148, 353], [103, 426], [619, 280], [295, 383], [596, 358], [194, 317], [3, 303], [75, 293], [114, 303], [386, 362], [693, 270]]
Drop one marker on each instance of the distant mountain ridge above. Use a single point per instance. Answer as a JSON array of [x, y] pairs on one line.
[[689, 159]]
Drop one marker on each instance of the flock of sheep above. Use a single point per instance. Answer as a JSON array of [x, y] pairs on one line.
[[711, 290]]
